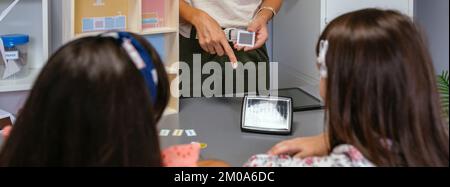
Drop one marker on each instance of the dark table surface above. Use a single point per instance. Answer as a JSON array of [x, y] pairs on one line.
[[217, 123]]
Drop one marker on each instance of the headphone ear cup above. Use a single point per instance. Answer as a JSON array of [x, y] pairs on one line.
[[322, 60], [323, 73]]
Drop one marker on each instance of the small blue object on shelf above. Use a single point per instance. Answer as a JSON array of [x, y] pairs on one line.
[[13, 50], [13, 40]]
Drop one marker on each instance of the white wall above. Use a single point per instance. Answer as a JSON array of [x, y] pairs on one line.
[[12, 101], [296, 31], [295, 54], [433, 16]]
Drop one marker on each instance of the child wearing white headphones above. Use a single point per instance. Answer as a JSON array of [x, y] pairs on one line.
[[382, 105]]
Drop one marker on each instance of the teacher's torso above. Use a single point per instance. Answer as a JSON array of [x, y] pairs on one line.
[[228, 13]]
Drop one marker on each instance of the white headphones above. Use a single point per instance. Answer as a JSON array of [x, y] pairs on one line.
[[322, 58]]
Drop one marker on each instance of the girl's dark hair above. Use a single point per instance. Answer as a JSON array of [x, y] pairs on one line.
[[90, 106], [381, 90]]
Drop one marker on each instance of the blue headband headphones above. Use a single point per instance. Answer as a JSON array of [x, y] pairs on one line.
[[140, 57]]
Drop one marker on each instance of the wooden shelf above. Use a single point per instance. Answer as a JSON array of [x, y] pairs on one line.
[[172, 70], [20, 82], [170, 111], [162, 30], [156, 20], [131, 9]]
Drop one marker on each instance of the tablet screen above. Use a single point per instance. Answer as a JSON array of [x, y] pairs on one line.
[[267, 113]]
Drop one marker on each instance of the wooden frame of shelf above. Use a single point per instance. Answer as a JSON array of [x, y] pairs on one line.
[[38, 48], [134, 23]]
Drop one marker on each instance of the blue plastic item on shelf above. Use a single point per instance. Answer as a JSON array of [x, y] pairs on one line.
[[13, 54], [13, 40]]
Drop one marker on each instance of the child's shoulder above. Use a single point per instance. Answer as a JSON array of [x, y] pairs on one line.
[[342, 156]]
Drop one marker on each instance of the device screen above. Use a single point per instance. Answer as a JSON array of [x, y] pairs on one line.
[[267, 113], [246, 38]]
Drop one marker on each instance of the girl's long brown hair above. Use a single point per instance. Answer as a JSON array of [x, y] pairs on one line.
[[90, 106], [381, 90]]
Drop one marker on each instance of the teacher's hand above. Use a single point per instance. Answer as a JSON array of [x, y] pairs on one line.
[[211, 37], [259, 26]]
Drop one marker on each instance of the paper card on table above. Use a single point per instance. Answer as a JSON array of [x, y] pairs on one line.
[[164, 132], [191, 133], [178, 132]]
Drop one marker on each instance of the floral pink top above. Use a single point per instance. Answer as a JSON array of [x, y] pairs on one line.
[[342, 156]]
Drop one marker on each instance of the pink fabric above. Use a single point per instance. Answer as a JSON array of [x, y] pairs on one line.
[[181, 155], [6, 131]]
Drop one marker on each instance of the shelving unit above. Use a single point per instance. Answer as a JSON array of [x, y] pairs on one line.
[[35, 24], [156, 20]]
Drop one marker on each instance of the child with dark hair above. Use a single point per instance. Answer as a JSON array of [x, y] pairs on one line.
[[379, 87], [96, 103]]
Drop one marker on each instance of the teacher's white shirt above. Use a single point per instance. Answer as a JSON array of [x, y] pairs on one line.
[[228, 13]]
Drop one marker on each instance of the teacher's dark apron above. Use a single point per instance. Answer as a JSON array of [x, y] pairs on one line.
[[190, 46]]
